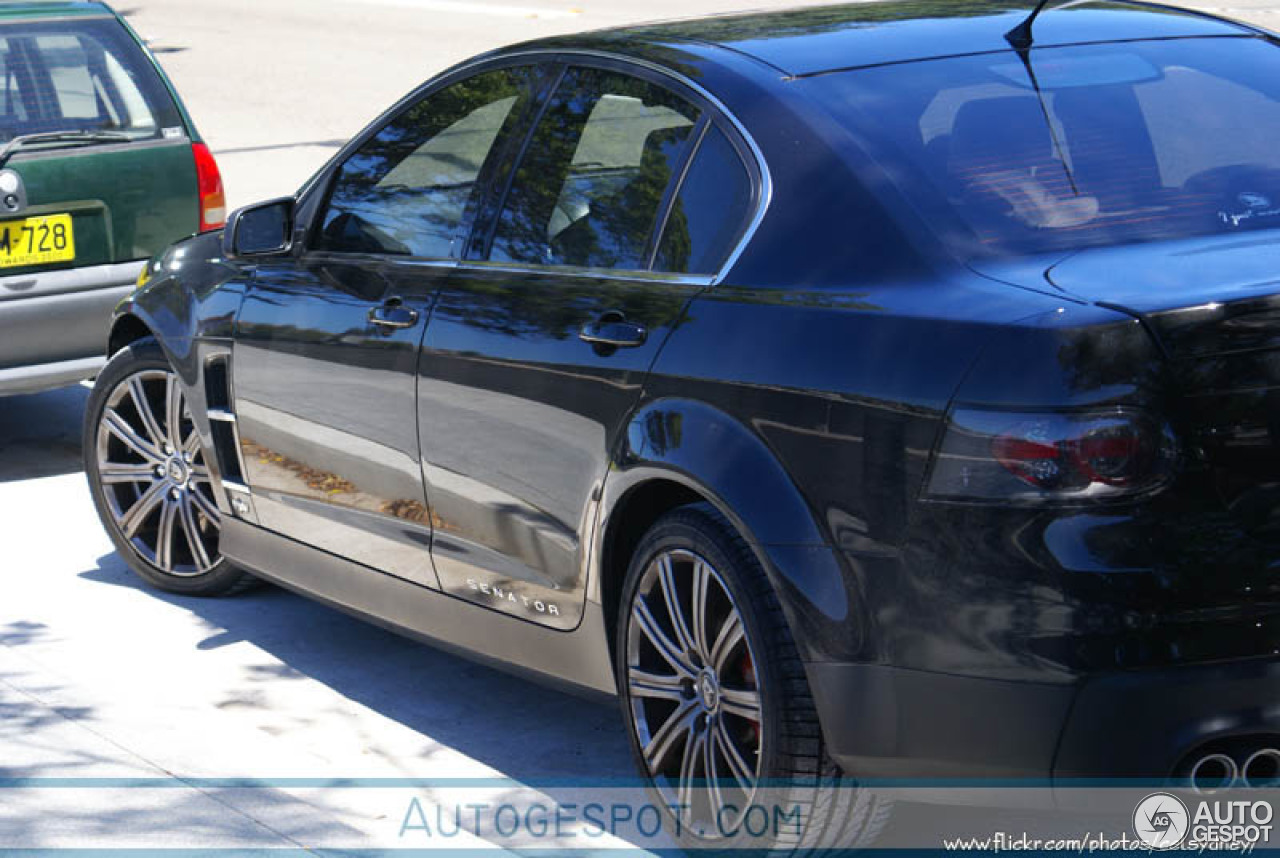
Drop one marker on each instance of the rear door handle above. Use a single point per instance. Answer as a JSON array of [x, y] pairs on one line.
[[613, 329], [393, 314]]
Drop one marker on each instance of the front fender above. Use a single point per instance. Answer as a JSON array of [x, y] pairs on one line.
[[191, 294], [708, 451]]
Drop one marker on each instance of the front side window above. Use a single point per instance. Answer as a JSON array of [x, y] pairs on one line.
[[406, 191], [590, 187], [1108, 144]]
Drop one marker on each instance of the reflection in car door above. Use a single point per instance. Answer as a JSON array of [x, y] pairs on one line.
[[327, 340], [539, 346]]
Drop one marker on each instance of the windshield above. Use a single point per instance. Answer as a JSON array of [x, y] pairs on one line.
[[80, 75], [1093, 145]]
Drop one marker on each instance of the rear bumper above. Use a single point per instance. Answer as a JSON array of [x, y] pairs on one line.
[[884, 722], [54, 324]]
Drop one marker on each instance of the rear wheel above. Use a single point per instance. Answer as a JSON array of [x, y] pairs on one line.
[[149, 476], [721, 717]]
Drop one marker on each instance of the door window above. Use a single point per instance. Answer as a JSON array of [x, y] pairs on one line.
[[595, 174], [709, 213], [406, 191]]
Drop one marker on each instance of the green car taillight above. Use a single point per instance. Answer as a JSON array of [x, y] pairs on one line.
[[213, 200]]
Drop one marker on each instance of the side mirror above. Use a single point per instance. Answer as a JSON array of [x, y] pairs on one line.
[[261, 229]]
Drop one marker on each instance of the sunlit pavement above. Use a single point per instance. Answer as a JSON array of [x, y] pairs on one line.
[[102, 678]]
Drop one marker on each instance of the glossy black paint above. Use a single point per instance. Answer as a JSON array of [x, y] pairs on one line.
[[803, 392]]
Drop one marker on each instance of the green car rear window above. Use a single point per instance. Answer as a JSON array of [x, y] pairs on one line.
[[80, 75]]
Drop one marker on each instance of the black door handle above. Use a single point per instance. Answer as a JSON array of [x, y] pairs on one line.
[[613, 329], [393, 314]]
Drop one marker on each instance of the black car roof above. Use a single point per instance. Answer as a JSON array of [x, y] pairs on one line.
[[812, 40]]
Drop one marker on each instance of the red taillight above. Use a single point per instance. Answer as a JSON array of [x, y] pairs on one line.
[[213, 201], [1064, 453], [990, 455]]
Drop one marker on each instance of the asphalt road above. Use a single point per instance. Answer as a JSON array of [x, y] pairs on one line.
[[102, 678]]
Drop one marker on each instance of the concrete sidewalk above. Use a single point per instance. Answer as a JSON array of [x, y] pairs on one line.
[[102, 678]]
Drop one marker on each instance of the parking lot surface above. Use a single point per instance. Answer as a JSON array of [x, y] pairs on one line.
[[102, 678]]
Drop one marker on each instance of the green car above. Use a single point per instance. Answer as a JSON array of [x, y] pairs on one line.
[[100, 168]]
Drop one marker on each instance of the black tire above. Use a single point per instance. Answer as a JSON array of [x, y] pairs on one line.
[[194, 517], [792, 764]]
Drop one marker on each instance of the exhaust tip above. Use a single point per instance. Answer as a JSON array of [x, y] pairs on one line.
[[1262, 769], [1215, 773]]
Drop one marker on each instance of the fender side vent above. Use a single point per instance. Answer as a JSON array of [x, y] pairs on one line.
[[217, 386]]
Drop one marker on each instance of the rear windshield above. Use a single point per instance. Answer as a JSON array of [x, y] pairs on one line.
[[1093, 145], [80, 75]]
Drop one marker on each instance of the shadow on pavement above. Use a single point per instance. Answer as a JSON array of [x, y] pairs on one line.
[[522, 730], [40, 433]]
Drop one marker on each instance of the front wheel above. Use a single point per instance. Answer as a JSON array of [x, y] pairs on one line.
[[149, 476], [721, 718]]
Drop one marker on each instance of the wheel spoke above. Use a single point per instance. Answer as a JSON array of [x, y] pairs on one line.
[[138, 392], [678, 723], [694, 752], [164, 534], [667, 579], [743, 773], [192, 531], [712, 773], [142, 509], [192, 445], [730, 635], [206, 507], [115, 473], [701, 589], [118, 426], [740, 702], [667, 648], [645, 684], [173, 411]]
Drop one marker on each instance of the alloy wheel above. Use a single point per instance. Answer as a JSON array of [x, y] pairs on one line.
[[694, 695], [154, 476]]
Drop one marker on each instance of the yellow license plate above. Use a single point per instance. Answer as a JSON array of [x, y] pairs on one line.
[[36, 241]]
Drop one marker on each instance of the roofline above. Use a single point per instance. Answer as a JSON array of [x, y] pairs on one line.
[[993, 52]]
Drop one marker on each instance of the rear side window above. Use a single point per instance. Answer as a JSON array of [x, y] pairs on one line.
[[709, 214], [80, 75], [407, 190], [1107, 144], [595, 174]]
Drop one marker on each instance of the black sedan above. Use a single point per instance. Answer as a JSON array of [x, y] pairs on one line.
[[869, 391]]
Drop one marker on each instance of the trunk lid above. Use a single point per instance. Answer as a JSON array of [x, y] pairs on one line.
[[126, 202]]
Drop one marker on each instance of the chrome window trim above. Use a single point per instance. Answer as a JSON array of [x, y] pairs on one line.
[[449, 76], [587, 273]]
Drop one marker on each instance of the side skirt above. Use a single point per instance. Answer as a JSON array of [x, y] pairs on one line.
[[577, 661]]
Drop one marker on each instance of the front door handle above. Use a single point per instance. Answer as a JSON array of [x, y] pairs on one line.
[[613, 329], [393, 314]]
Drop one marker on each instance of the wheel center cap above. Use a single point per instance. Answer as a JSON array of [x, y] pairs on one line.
[[708, 691], [177, 471]]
